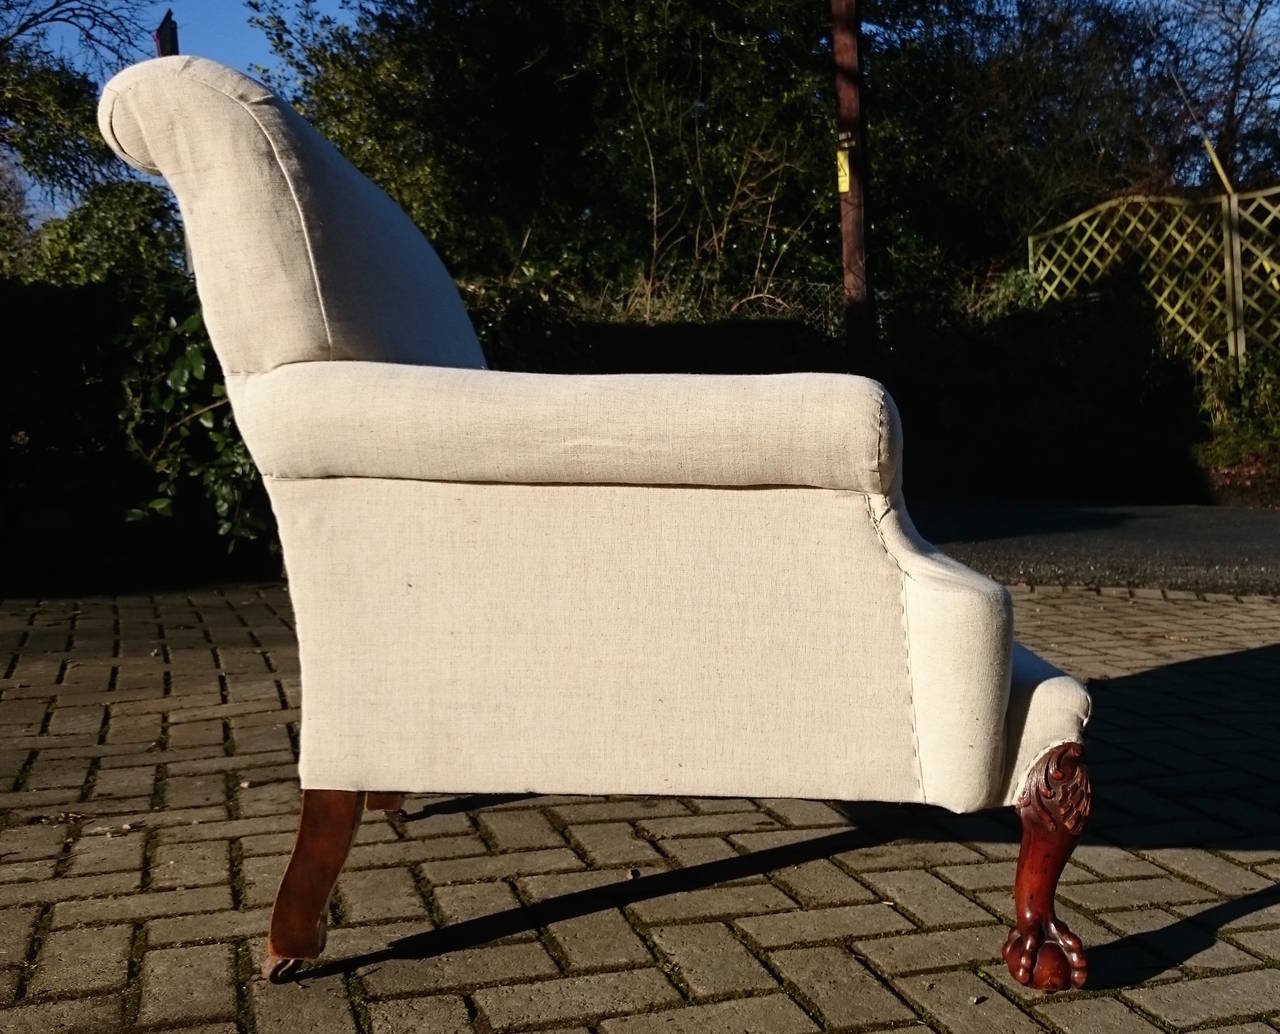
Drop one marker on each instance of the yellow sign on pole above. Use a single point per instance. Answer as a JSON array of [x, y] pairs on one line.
[[842, 170]]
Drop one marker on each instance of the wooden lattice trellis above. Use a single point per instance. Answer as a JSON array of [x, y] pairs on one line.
[[1212, 266]]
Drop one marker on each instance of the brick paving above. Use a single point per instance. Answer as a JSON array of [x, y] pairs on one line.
[[148, 799]]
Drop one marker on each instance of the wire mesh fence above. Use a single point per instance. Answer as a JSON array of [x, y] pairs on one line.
[[812, 302]]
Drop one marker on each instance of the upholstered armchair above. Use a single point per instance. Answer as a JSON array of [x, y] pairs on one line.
[[506, 582]]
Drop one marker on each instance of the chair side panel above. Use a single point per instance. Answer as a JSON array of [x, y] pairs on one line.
[[596, 639]]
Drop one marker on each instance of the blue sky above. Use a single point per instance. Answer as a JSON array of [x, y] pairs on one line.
[[218, 29]]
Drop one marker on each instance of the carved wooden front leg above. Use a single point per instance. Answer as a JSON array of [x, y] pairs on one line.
[[326, 828], [1041, 951]]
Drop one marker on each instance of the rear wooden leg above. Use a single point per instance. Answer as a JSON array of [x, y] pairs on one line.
[[1041, 951], [326, 828], [384, 800]]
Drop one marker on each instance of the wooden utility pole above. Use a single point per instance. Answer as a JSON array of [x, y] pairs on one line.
[[166, 36], [851, 151]]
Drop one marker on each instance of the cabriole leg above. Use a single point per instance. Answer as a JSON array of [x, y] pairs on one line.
[[1041, 951], [326, 828]]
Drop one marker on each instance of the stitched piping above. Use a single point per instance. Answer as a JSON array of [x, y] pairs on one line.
[[880, 450], [293, 193], [302, 222], [906, 638]]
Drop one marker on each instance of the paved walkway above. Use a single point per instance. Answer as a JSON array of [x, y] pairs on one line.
[[147, 747]]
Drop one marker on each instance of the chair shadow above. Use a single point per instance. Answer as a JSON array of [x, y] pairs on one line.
[[472, 933], [1164, 746]]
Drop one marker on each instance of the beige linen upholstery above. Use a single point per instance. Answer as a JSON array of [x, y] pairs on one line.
[[517, 582]]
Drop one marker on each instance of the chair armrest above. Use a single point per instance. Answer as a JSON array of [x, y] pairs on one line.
[[382, 420]]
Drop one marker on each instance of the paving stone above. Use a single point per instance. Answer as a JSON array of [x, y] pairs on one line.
[[28, 842], [599, 940], [775, 1014], [181, 984], [711, 805], [778, 838], [820, 883], [1191, 1002], [349, 941], [710, 960], [934, 949], [125, 782], [443, 1014], [371, 894], [191, 865], [208, 926], [910, 855], [1178, 941], [804, 813], [1247, 919], [702, 825], [519, 830], [965, 1005], [1202, 867], [80, 961], [67, 887], [1113, 862], [260, 878], [612, 843], [94, 854], [416, 828], [1000, 875], [16, 925], [1131, 893], [57, 773], [195, 791], [462, 901], [81, 1016], [516, 863], [712, 903], [619, 811], [72, 719], [690, 851], [269, 799], [1096, 1016], [141, 906], [195, 734], [822, 924], [21, 872], [406, 852], [471, 967], [309, 1005], [574, 998], [229, 829], [844, 992], [926, 897], [556, 885]]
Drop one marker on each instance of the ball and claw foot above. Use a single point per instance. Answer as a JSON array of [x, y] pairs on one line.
[[1048, 958]]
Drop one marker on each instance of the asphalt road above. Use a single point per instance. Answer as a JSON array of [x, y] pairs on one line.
[[1201, 548]]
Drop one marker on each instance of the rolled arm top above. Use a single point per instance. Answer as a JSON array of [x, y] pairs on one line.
[[381, 420]]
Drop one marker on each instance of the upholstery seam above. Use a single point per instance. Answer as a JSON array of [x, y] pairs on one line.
[[302, 220], [293, 194], [906, 641], [879, 448]]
